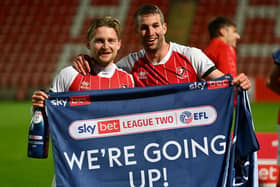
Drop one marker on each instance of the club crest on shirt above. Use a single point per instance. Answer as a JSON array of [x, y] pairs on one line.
[[181, 72]]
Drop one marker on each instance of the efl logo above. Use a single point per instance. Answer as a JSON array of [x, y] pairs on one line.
[[197, 116], [109, 126], [217, 84], [268, 173], [187, 117], [79, 100]]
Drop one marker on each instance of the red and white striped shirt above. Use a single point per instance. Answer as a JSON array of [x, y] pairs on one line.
[[182, 64], [104, 78]]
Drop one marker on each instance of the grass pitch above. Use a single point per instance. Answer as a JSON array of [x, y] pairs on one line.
[[16, 169]]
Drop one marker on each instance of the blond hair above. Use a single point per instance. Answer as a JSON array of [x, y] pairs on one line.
[[107, 21]]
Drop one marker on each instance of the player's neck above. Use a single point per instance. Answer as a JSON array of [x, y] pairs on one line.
[[223, 39], [109, 68], [158, 55]]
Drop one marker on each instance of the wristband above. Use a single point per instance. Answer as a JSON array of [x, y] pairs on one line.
[[276, 57]]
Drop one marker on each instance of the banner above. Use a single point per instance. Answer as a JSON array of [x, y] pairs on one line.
[[173, 135]]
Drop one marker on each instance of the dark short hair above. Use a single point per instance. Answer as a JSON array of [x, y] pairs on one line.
[[148, 9], [217, 23], [107, 21]]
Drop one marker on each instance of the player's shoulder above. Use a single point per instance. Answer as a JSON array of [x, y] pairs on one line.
[[121, 71], [185, 50], [127, 62], [68, 71], [63, 79]]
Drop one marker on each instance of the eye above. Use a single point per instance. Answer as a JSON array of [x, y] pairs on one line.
[[98, 40], [144, 27], [155, 25], [112, 40]]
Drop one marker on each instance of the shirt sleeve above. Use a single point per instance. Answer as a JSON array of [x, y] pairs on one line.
[[200, 62], [63, 80], [127, 63], [124, 64]]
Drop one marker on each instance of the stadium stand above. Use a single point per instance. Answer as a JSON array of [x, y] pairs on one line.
[[38, 38], [257, 23], [34, 34]]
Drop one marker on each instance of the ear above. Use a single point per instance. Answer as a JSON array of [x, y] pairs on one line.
[[120, 44], [222, 31], [164, 28]]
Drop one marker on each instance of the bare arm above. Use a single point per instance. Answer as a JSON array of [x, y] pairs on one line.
[[214, 74], [240, 80]]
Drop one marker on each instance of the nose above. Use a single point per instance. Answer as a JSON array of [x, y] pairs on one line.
[[105, 44], [150, 30], [237, 36]]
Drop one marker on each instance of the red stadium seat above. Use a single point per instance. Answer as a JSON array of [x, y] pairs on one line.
[[29, 29]]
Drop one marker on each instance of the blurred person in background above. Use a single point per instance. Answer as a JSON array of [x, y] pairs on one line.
[[273, 82], [162, 62], [223, 41]]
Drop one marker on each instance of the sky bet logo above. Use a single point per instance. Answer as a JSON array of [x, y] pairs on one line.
[[197, 85], [79, 100], [83, 129], [104, 127], [86, 129], [93, 128], [108, 126], [59, 102]]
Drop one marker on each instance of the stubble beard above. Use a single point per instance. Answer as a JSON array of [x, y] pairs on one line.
[[104, 63], [158, 45]]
